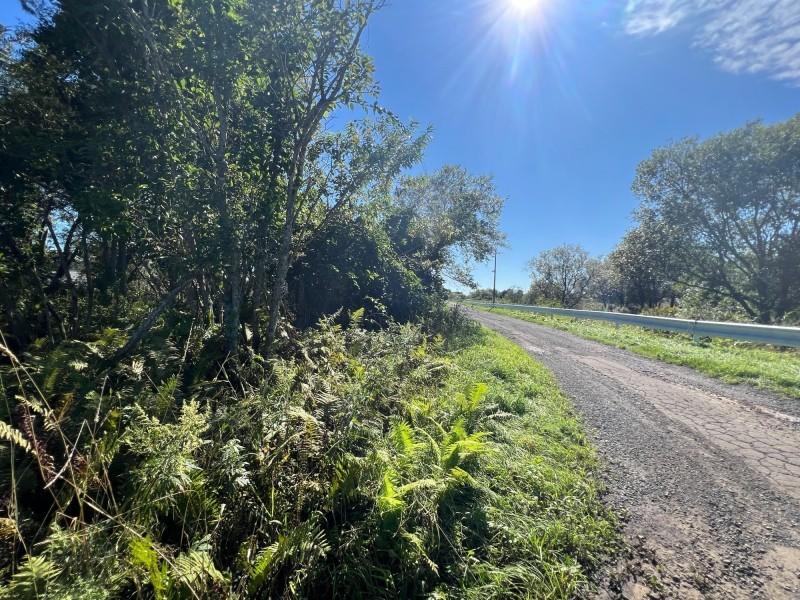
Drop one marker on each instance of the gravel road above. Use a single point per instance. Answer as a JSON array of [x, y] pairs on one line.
[[706, 475]]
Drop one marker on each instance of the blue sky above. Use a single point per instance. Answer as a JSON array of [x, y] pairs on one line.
[[560, 102]]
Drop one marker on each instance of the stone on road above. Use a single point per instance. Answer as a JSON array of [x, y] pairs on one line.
[[705, 474]]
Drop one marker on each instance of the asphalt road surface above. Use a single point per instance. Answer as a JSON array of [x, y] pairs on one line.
[[706, 475]]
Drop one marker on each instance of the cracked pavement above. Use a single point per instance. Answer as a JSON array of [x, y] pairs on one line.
[[706, 475]]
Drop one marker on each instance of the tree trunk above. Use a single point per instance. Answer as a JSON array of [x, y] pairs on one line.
[[145, 326], [232, 258], [282, 270], [260, 273], [279, 284], [87, 271], [233, 295], [121, 267]]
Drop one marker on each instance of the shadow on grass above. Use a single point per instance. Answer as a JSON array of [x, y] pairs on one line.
[[457, 329]]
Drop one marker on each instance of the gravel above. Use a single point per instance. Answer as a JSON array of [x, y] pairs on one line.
[[705, 475]]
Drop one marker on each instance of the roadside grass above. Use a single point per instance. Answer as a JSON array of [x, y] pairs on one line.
[[731, 361], [435, 461], [547, 525]]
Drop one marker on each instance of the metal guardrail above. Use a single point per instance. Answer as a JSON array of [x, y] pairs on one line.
[[762, 334]]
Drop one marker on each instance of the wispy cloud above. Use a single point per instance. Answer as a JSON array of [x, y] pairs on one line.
[[744, 36]]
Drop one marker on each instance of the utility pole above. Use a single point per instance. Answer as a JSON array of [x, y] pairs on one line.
[[494, 278]]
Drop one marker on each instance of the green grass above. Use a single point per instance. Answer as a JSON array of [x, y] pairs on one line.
[[547, 523], [408, 462], [731, 361]]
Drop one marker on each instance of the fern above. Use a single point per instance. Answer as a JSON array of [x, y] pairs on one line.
[[389, 500], [32, 580], [338, 470], [420, 484], [143, 555], [165, 396], [195, 570], [233, 465], [169, 478], [356, 317], [10, 434], [403, 438], [346, 478], [458, 446], [477, 393], [302, 548]]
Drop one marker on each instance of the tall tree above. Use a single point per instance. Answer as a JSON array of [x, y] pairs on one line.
[[218, 106], [735, 199], [177, 154], [336, 73], [72, 161], [605, 285]]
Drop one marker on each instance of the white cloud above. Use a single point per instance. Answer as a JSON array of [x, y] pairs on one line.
[[744, 36]]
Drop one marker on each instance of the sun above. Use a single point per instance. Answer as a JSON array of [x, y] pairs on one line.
[[522, 7]]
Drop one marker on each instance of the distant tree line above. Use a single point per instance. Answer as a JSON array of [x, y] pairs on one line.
[[717, 235]]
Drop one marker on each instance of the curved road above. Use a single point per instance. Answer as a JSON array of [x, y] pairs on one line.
[[705, 474]]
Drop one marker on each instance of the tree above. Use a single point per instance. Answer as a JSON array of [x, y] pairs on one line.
[[604, 283], [181, 140], [354, 262], [439, 223], [511, 295], [336, 73], [561, 275], [734, 200], [646, 262], [72, 166], [176, 155], [340, 233], [172, 188]]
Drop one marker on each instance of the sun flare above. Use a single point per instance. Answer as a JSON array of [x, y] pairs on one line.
[[522, 7]]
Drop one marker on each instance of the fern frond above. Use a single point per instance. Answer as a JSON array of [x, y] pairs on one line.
[[356, 317], [416, 542], [302, 548], [403, 437], [419, 484], [195, 570], [32, 579], [32, 403], [477, 393], [309, 420], [346, 478], [15, 436], [143, 555], [261, 568], [461, 447], [389, 501], [165, 395]]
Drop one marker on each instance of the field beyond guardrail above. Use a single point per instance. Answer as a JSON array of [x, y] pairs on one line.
[[761, 334]]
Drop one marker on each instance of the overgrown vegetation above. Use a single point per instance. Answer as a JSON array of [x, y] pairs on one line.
[[366, 464], [206, 154], [735, 362], [225, 365]]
